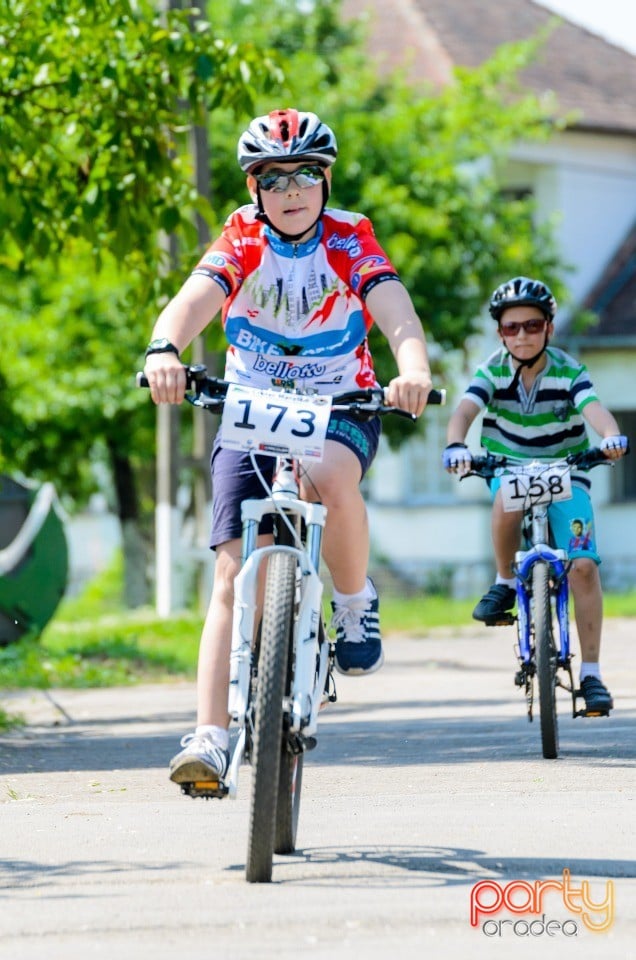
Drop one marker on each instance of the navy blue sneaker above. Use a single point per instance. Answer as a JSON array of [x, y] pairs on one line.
[[598, 699], [496, 604], [358, 640]]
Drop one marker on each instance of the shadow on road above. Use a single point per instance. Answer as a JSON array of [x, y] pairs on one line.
[[446, 866], [35, 873], [348, 741], [468, 739]]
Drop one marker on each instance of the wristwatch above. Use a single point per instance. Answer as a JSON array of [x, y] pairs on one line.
[[162, 345]]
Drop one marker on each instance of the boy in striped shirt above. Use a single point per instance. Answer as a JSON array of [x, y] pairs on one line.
[[536, 401]]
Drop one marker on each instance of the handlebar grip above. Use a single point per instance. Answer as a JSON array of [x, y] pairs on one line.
[[194, 374], [435, 396]]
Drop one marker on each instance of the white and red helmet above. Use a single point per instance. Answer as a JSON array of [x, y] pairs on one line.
[[286, 135]]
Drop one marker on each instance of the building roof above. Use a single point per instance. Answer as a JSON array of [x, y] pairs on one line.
[[586, 73], [613, 299]]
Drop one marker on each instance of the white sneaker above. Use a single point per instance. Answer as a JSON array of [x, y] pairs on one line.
[[200, 760]]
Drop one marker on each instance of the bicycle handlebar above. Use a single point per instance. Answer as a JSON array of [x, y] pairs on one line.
[[486, 466], [209, 392]]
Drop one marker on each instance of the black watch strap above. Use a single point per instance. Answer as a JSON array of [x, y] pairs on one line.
[[161, 346]]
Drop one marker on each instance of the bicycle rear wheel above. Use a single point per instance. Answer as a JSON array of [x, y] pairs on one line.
[[291, 772], [276, 627], [546, 655], [289, 781], [288, 806]]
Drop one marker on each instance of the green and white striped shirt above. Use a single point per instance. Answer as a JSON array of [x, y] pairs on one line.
[[544, 424]]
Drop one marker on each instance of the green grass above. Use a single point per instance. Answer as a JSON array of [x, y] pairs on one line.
[[94, 642], [620, 604]]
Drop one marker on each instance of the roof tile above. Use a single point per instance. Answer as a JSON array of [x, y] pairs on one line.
[[585, 72]]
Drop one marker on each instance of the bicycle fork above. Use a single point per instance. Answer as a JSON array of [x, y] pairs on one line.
[[557, 561], [311, 660]]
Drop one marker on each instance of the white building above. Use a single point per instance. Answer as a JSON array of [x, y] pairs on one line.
[[426, 525]]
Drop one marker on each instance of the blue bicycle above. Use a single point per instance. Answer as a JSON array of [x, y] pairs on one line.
[[541, 571]]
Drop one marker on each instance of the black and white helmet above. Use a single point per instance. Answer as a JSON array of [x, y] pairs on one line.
[[286, 135], [523, 291]]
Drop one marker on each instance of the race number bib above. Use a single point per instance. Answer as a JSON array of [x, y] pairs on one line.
[[274, 423], [533, 484]]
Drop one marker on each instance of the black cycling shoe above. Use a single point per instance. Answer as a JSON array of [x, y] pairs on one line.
[[598, 699], [496, 605]]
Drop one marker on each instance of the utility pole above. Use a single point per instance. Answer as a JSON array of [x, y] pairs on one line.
[[204, 427], [168, 519]]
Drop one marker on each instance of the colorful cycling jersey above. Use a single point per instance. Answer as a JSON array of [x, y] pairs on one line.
[[543, 424], [295, 313]]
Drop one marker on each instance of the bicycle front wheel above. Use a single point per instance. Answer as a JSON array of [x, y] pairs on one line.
[[276, 628], [546, 655]]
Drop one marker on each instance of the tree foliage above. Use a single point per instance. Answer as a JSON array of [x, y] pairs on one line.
[[96, 102], [70, 379], [98, 99], [423, 164]]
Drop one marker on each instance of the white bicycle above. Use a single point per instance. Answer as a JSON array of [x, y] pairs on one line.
[[281, 669]]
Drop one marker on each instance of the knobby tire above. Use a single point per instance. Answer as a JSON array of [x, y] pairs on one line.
[[288, 806], [546, 660], [276, 627], [289, 782]]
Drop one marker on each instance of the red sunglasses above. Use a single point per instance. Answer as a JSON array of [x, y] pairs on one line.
[[512, 327]]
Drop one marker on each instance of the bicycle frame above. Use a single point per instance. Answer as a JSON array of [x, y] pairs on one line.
[[558, 562]]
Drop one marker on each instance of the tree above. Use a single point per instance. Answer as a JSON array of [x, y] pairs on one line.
[[96, 103], [424, 165]]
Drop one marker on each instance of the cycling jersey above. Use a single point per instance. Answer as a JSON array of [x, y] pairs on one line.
[[545, 423], [295, 313]]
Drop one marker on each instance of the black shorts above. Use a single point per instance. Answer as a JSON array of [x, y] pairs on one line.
[[234, 479]]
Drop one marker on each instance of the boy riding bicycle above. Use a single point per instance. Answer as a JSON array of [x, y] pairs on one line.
[[536, 399], [299, 286]]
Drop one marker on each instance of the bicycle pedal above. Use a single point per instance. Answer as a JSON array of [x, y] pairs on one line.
[[594, 712], [309, 743], [503, 620], [205, 789]]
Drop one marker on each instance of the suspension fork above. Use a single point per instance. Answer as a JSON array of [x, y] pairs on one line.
[[557, 561]]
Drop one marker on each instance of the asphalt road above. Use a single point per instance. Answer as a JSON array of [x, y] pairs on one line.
[[427, 780]]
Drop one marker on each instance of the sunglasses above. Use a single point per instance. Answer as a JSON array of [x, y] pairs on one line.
[[512, 328], [277, 181]]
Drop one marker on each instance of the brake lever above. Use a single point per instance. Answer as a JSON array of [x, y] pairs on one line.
[[206, 402], [398, 412]]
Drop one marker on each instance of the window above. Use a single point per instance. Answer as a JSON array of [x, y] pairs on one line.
[[516, 193]]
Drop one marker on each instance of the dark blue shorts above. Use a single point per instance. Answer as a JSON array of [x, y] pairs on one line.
[[234, 479]]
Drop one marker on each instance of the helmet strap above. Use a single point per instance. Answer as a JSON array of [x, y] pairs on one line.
[[530, 362], [290, 237]]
